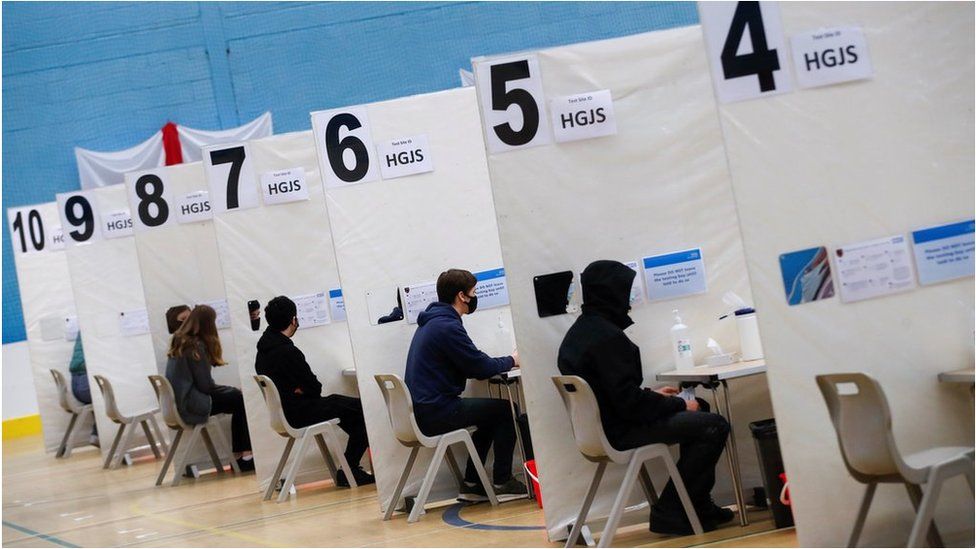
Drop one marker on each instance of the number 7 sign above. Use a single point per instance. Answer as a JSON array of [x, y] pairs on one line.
[[746, 49]]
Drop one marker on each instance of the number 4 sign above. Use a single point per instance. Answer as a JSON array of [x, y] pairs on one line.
[[746, 49]]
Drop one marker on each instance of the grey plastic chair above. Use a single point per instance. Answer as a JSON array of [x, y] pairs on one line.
[[400, 408], [861, 417], [323, 433], [171, 416], [77, 410], [584, 414], [128, 426]]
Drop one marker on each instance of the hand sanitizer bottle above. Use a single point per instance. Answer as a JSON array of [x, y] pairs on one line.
[[681, 344]]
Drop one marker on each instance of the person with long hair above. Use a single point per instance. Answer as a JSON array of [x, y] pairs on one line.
[[193, 352]]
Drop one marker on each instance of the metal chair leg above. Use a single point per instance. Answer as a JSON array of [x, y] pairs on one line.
[[279, 469], [160, 437], [130, 430], [617, 511], [329, 462], [340, 456], [217, 435], [150, 438], [391, 508], [862, 514], [435, 463], [919, 501], [64, 450], [679, 486], [455, 469], [647, 485], [212, 450], [480, 469], [587, 502], [110, 456], [293, 468], [169, 457], [180, 465]]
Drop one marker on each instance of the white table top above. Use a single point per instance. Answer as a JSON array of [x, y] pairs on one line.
[[966, 375], [715, 373]]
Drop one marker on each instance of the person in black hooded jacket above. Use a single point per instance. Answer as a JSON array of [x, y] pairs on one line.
[[597, 349], [301, 392]]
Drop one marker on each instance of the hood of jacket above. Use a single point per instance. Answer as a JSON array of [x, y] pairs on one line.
[[438, 309], [606, 291], [272, 339]]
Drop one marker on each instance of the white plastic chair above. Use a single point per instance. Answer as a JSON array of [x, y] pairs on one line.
[[862, 420], [76, 409], [171, 416], [584, 414], [400, 408], [128, 426], [324, 434]]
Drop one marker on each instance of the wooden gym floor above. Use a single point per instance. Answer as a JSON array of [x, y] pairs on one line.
[[73, 502]]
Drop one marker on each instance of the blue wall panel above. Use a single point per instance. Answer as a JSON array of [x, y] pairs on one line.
[[105, 76]]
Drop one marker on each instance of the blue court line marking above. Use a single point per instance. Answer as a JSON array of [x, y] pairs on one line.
[[32, 533], [452, 516]]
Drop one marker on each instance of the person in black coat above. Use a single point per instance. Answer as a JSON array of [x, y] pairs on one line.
[[301, 392], [597, 349]]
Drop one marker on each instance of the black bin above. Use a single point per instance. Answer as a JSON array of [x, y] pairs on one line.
[[771, 463]]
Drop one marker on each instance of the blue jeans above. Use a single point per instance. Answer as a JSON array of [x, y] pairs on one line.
[[82, 392]]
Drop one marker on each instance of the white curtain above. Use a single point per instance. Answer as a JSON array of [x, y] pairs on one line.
[[99, 169]]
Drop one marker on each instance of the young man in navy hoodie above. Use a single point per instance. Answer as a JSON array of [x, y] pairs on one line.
[[441, 359]]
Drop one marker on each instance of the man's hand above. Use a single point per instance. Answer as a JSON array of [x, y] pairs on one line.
[[667, 391], [691, 405], [298, 391], [515, 357]]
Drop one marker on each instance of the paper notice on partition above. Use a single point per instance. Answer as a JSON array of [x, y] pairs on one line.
[[337, 305], [313, 310], [491, 288], [223, 312], [417, 297], [874, 268], [117, 224], [52, 328], [133, 323], [194, 207], [674, 275], [944, 252], [71, 328]]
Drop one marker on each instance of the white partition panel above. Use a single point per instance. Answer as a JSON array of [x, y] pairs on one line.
[[268, 250], [403, 229], [49, 310], [847, 163], [178, 260], [109, 300], [654, 184]]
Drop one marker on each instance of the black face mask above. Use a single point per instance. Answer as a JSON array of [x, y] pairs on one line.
[[473, 304]]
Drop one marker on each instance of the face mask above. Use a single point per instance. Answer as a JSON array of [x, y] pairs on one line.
[[473, 304]]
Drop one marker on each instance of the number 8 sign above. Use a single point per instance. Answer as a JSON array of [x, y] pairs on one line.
[[746, 49], [150, 200]]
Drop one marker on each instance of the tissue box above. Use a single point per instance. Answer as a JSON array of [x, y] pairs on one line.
[[720, 360]]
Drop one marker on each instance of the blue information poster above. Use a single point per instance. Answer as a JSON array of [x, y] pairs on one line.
[[337, 305], [806, 275], [674, 275], [491, 289], [944, 252]]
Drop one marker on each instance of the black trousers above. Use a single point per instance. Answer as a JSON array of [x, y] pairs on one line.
[[491, 416], [349, 410], [230, 400], [701, 437]]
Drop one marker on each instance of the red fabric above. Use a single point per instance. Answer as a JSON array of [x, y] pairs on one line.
[[171, 144]]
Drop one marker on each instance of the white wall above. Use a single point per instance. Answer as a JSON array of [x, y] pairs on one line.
[[19, 398], [841, 164]]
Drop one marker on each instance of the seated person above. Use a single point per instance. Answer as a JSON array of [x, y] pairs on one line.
[[193, 352], [175, 317], [596, 349], [441, 359], [79, 382], [300, 391]]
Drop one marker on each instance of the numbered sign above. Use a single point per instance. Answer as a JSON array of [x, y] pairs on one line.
[[150, 200], [746, 49], [233, 183], [79, 217], [345, 146], [513, 106], [27, 230]]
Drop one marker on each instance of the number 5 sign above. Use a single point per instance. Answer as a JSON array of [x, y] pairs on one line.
[[512, 103], [746, 49]]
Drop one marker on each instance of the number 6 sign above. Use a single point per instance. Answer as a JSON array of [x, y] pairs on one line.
[[746, 49]]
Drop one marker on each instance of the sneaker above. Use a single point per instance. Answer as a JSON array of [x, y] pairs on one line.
[[362, 478], [710, 512], [472, 492], [245, 464], [675, 523], [510, 490]]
